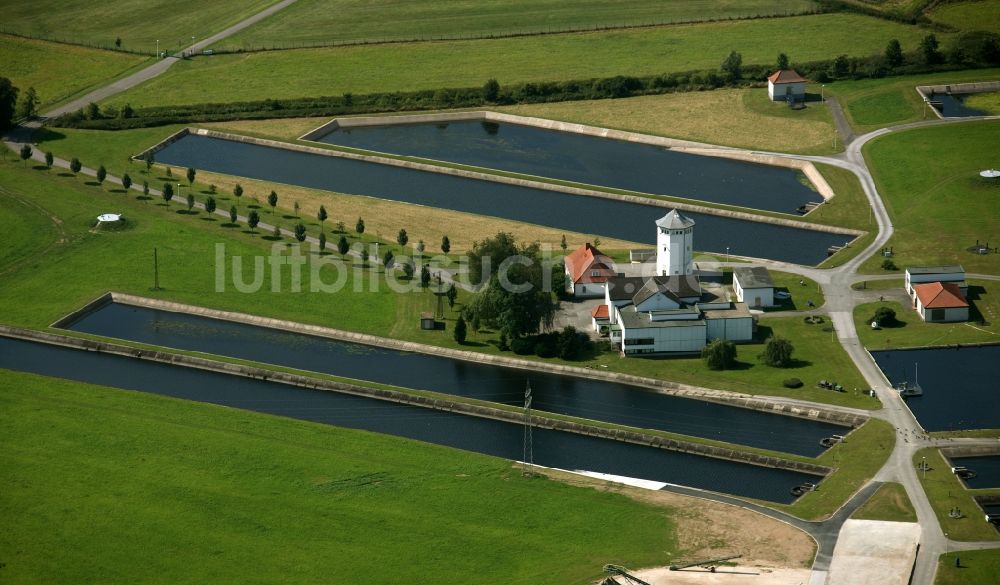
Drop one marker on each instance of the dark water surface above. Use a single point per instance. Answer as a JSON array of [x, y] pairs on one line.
[[588, 215], [987, 471], [961, 386], [594, 399], [551, 448], [587, 159]]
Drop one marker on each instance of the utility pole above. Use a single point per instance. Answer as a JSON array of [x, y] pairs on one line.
[[156, 271], [528, 456]]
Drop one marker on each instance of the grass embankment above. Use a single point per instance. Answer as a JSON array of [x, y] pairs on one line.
[[978, 567], [434, 65], [856, 461], [939, 205], [912, 331], [945, 491], [730, 117], [313, 22], [138, 23], [256, 497], [977, 15], [986, 102], [871, 104], [889, 503], [58, 71]]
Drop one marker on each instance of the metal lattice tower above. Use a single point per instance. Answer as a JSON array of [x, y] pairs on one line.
[[528, 456]]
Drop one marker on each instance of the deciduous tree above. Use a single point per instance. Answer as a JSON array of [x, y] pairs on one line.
[[49, 159], [25, 153], [893, 54], [460, 330], [8, 103], [167, 192], [777, 352], [402, 238], [233, 215], [445, 244], [272, 200], [253, 219], [102, 173], [300, 232], [75, 165], [719, 354], [210, 205], [126, 182]]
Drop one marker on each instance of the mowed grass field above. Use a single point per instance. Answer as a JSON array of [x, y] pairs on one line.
[[974, 15], [139, 23], [874, 103], [987, 102], [112, 486], [731, 117], [912, 331], [59, 71], [330, 21], [978, 567], [939, 205], [890, 503], [433, 65]]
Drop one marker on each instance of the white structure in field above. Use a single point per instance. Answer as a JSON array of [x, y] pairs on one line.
[[753, 286], [674, 237], [671, 312], [953, 273], [785, 84]]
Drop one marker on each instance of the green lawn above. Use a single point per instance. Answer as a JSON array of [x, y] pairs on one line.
[[976, 15], [871, 104], [139, 23], [432, 65], [172, 491], [986, 102], [889, 503], [855, 462], [310, 22], [939, 205], [912, 331], [978, 567], [945, 492], [58, 71]]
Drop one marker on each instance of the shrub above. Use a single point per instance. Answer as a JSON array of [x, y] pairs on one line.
[[522, 346], [719, 355], [884, 316], [792, 383], [888, 264], [777, 352]]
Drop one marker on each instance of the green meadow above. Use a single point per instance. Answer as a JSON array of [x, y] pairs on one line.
[[112, 486], [58, 71], [138, 23], [434, 65], [939, 205], [340, 21], [890, 504], [974, 15], [871, 104]]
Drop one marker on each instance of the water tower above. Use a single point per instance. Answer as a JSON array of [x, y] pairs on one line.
[[674, 241]]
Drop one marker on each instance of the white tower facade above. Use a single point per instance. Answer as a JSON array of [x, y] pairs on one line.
[[674, 244]]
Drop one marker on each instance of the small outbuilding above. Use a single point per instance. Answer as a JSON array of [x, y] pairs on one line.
[[940, 302], [427, 322], [753, 286], [786, 84]]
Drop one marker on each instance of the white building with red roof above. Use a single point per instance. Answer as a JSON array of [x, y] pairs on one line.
[[784, 84], [587, 272], [940, 302]]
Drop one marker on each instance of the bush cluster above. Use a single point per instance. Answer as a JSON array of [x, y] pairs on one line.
[[568, 344]]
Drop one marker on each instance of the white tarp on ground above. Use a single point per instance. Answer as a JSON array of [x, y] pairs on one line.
[[872, 552]]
